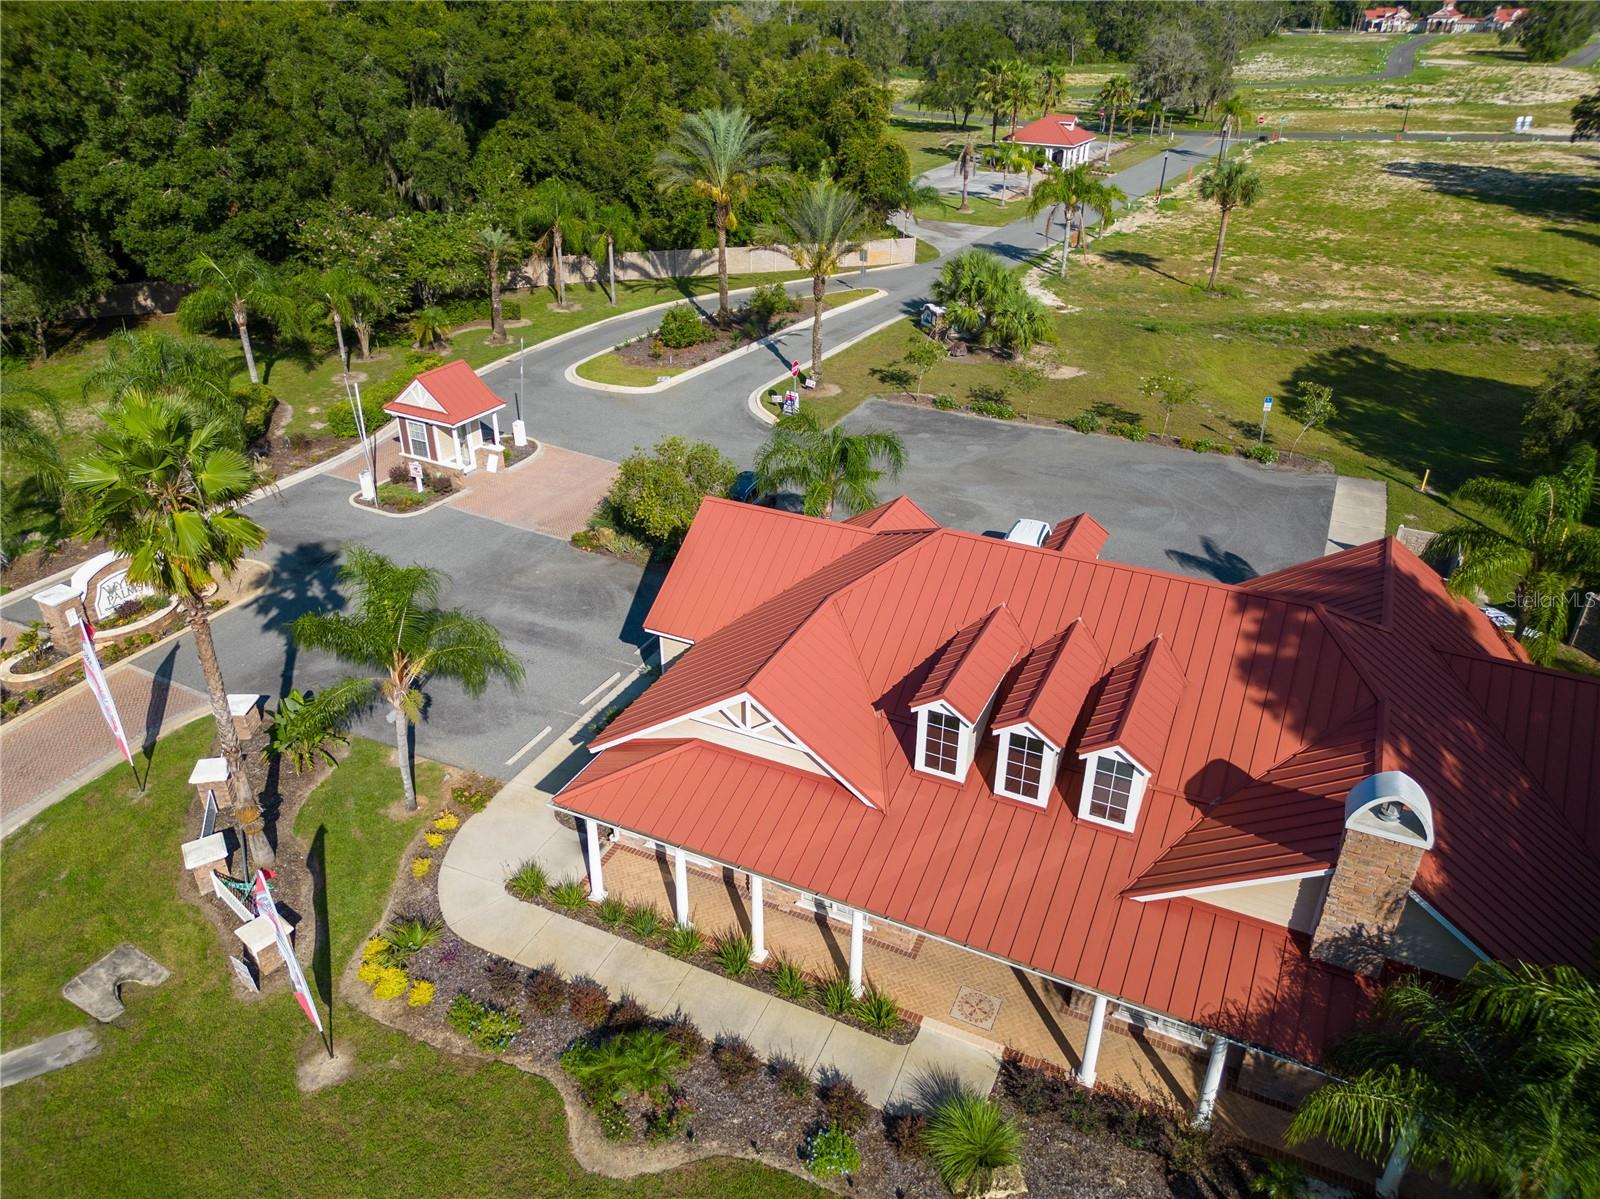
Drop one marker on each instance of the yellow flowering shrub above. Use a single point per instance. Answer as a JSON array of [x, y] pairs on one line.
[[420, 867], [370, 972], [392, 983], [434, 840], [421, 993], [374, 949], [447, 822]]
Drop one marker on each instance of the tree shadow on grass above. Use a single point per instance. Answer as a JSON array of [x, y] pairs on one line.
[[1542, 194], [1583, 235], [1545, 282], [1139, 258], [322, 954]]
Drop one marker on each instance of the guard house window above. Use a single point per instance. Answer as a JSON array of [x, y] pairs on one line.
[[1112, 792], [1024, 765], [942, 748], [419, 438]]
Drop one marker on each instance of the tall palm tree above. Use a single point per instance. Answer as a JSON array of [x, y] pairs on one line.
[[163, 490], [821, 222], [1232, 185], [1052, 86], [966, 147], [827, 465], [1103, 197], [396, 630], [1020, 92], [996, 88], [1011, 160], [1115, 95], [614, 227], [1033, 161], [1061, 188], [557, 212], [1543, 553], [495, 243], [30, 430], [717, 153], [339, 295], [233, 289], [1234, 113]]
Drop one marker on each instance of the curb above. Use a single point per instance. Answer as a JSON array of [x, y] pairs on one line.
[[571, 373], [753, 401]]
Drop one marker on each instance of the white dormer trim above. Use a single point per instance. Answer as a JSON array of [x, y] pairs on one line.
[[1047, 769], [966, 743], [418, 396], [1141, 778]]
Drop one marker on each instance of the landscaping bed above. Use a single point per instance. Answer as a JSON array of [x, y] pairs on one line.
[[400, 495]]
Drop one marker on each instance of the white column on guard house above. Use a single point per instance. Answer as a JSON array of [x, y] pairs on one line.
[[758, 922], [597, 882], [1212, 1084], [1091, 1042], [858, 925], [680, 887]]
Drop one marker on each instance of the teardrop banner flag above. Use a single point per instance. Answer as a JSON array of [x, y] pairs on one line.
[[297, 979], [96, 678]]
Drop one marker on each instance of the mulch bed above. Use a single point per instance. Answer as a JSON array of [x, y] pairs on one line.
[[38, 564]]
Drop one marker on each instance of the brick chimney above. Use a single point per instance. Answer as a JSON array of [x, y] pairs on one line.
[[1388, 826]]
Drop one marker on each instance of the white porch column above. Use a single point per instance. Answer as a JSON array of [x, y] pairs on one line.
[[758, 922], [1212, 1083], [858, 925], [1091, 1042], [1399, 1159], [680, 887], [597, 882]]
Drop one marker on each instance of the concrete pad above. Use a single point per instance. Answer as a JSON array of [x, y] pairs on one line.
[[49, 1054], [1360, 513], [719, 1005], [480, 911], [936, 1063], [872, 1063], [97, 989], [575, 949], [511, 830], [648, 976], [785, 1030]]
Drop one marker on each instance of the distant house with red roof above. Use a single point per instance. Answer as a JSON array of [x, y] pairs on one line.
[[446, 416], [1064, 140], [1449, 20], [1501, 18], [1386, 19], [1228, 811]]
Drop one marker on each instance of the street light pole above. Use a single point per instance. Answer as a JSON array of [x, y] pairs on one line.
[[1405, 121], [1163, 183]]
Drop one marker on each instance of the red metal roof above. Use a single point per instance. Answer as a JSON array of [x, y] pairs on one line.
[[1135, 707], [966, 672], [1052, 129], [1265, 734], [461, 395], [902, 512], [1055, 679], [1082, 536]]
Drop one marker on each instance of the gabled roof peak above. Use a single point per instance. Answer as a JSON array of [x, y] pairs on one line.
[[966, 671], [1049, 690], [1135, 707]]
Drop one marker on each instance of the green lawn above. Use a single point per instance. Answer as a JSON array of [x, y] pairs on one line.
[[1431, 343], [923, 140], [1316, 56], [194, 1085], [984, 211]]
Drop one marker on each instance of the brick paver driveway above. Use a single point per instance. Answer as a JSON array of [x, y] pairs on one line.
[[553, 493]]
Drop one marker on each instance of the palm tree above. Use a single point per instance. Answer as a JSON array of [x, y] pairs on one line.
[[1103, 197], [232, 289], [1023, 84], [194, 370], [1493, 1085], [1115, 94], [1234, 113], [1033, 160], [337, 295], [822, 222], [397, 630], [1052, 85], [827, 465], [615, 228], [30, 431], [966, 157], [495, 243], [427, 328], [162, 489], [1232, 185], [719, 154], [1063, 188], [556, 213], [1543, 552], [1010, 160]]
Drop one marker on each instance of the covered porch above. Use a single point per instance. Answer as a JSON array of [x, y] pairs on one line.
[[453, 446]]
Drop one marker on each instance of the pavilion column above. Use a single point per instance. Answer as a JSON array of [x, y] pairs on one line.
[[758, 922], [1091, 1042], [597, 882], [858, 926], [680, 887], [1394, 1170], [1212, 1084]]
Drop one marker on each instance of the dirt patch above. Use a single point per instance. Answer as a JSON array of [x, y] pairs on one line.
[[315, 1069]]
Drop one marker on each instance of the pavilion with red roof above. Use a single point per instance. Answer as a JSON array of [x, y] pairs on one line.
[[1226, 811], [1064, 140], [446, 415]]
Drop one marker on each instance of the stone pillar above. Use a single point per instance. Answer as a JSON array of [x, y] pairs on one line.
[[758, 921], [210, 777], [1212, 1083], [246, 713], [61, 607], [858, 927], [1091, 1041], [203, 857], [597, 882], [680, 888]]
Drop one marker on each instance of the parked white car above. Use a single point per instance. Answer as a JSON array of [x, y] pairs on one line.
[[1029, 532]]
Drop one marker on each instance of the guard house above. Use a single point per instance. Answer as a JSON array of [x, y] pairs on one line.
[[447, 416]]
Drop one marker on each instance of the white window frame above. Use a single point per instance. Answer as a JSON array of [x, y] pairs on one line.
[[964, 742], [834, 910], [412, 426], [1047, 766], [1091, 766]]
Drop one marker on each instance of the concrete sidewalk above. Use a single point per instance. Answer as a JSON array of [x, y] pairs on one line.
[[1360, 513], [518, 826]]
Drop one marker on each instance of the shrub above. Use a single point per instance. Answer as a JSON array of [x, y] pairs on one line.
[[1280, 1180], [998, 409], [421, 993], [644, 921], [733, 954], [790, 981], [463, 1013], [1132, 430], [475, 793], [832, 1152], [341, 421], [612, 911], [681, 326], [410, 936], [945, 402], [256, 404], [1204, 445], [684, 940], [400, 474], [836, 996], [681, 1031], [370, 972], [438, 483], [420, 867], [735, 1060], [631, 1063], [587, 1002], [668, 1115], [793, 1080], [769, 302], [404, 497], [528, 882], [877, 1011], [905, 1131], [486, 1027], [433, 840], [546, 991], [504, 977], [1084, 422], [656, 494], [1262, 453], [627, 1013], [969, 1138], [614, 1122], [375, 949], [447, 822], [569, 895], [843, 1103]]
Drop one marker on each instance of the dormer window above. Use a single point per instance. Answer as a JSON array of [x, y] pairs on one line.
[[955, 697], [944, 742], [1113, 787], [1025, 767]]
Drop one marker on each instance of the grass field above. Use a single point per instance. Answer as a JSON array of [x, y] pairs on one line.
[[984, 210], [1433, 320], [195, 1084], [1316, 56]]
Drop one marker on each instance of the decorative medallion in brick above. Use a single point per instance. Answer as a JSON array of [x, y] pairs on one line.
[[976, 1008]]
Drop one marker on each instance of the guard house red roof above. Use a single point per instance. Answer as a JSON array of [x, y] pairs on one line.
[[451, 394], [1293, 687], [1053, 129], [1055, 679], [969, 668]]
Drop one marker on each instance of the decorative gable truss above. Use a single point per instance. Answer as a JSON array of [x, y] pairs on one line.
[[743, 715]]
